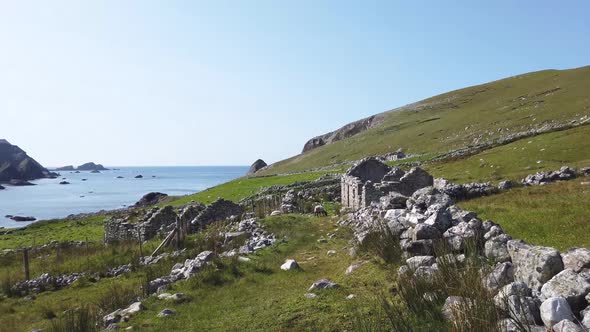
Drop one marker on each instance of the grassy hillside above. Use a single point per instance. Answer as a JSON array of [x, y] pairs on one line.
[[459, 118], [554, 215], [516, 160]]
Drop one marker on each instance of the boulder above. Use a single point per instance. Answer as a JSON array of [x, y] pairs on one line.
[[464, 234], [585, 315], [139, 176], [526, 309], [64, 182], [567, 326], [1, 187], [289, 265], [516, 288], [256, 166], [496, 248], [418, 247], [393, 200], [166, 313], [569, 285], [453, 305], [323, 284], [500, 276], [276, 213], [439, 217], [150, 199], [554, 310], [417, 261], [576, 259], [422, 198], [505, 185], [424, 232], [534, 265]]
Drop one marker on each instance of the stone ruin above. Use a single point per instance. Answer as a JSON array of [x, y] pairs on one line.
[[544, 289], [370, 179], [160, 221]]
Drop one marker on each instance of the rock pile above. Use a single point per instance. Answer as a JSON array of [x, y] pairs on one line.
[[541, 178], [256, 238], [46, 281], [539, 283], [161, 221]]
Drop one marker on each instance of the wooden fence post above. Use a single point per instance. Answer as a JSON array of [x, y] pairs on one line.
[[140, 244], [26, 260], [178, 235]]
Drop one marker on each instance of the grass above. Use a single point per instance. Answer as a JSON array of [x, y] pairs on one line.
[[42, 232], [458, 117], [516, 160], [258, 296], [554, 215], [241, 188]]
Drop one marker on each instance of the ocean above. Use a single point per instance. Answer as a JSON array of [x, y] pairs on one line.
[[104, 191]]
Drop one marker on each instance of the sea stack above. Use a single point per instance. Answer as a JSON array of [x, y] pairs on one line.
[[256, 166]]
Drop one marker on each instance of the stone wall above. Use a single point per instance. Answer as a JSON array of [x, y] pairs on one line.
[[219, 210], [545, 289]]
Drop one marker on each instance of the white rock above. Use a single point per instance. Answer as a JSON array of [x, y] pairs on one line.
[[417, 261], [567, 326], [276, 213], [310, 295], [323, 284], [289, 265], [554, 310], [331, 252], [353, 267], [534, 265], [351, 296], [576, 259], [569, 285]]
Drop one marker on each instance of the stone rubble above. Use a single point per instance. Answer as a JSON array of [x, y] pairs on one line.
[[536, 283]]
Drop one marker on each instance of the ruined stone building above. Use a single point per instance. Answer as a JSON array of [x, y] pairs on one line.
[[370, 179]]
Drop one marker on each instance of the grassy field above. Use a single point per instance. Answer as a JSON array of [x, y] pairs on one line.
[[455, 119], [241, 188], [254, 296], [39, 233], [261, 297], [516, 160], [556, 215]]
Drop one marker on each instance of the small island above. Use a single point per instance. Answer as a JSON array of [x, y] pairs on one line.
[[89, 166]]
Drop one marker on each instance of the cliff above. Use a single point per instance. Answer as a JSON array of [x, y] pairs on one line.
[[346, 131], [15, 164]]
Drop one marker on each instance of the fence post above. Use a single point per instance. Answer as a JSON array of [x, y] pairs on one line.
[[178, 233], [26, 260], [140, 244]]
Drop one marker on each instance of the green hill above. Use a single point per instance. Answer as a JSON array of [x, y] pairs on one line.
[[461, 118]]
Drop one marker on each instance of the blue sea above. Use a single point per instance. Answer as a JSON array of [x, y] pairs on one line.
[[49, 200]]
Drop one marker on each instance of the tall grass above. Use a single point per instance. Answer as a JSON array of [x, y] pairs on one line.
[[83, 319]]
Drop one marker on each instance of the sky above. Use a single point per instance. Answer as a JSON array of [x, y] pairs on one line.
[[130, 83]]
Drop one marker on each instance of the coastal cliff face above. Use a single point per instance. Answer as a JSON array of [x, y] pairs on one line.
[[346, 131], [15, 164]]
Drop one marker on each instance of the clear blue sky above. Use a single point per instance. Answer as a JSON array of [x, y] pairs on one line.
[[221, 83]]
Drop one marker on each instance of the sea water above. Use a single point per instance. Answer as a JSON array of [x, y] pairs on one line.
[[104, 191]]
